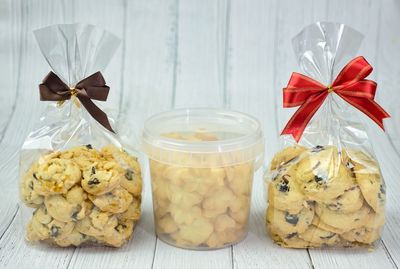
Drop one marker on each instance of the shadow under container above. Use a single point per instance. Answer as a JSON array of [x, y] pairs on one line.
[[202, 164]]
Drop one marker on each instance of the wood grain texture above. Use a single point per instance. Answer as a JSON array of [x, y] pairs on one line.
[[200, 53], [10, 59], [388, 76], [227, 53], [149, 59]]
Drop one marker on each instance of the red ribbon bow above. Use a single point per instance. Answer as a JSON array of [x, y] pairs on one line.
[[350, 85]]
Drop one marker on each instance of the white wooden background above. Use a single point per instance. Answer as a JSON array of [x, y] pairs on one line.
[[180, 53]]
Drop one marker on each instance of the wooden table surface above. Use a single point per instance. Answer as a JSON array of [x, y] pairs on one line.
[[183, 53]]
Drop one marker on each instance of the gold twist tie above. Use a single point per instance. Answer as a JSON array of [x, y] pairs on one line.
[[330, 89]]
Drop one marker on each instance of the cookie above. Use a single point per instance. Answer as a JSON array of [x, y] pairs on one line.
[[241, 217], [286, 156], [56, 176], [284, 192], [75, 238], [132, 180], [343, 221], [320, 224], [217, 202], [360, 161], [43, 226], [350, 201], [176, 175], [102, 177], [83, 156], [69, 207], [161, 207], [224, 222], [97, 223], [204, 180], [115, 201], [368, 177], [375, 220], [373, 190], [284, 223], [290, 240], [185, 215], [319, 236], [178, 196], [134, 211], [177, 239], [27, 193], [197, 232], [322, 176], [239, 209], [166, 225], [362, 235], [117, 236], [239, 178]]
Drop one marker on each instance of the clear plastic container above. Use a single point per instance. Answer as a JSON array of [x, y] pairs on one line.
[[202, 163]]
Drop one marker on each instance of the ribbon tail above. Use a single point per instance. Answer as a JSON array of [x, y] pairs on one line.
[[369, 107], [96, 112], [303, 115]]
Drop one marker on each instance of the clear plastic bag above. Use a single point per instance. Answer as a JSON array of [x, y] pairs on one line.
[[79, 182], [327, 189]]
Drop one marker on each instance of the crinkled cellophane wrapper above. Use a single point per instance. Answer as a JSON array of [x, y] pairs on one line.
[[79, 183], [327, 190], [201, 208]]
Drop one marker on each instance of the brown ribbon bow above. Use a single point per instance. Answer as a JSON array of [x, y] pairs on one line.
[[93, 87]]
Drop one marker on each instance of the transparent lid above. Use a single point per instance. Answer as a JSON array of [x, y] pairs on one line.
[[203, 137]]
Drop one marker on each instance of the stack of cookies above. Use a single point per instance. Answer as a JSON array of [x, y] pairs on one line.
[[201, 208], [324, 197], [83, 195]]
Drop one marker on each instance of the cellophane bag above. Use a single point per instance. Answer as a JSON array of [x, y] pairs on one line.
[[326, 190], [80, 182]]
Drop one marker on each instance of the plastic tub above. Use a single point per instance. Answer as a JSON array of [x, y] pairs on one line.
[[202, 163]]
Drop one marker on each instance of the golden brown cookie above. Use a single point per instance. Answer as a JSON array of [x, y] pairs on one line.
[[185, 215], [102, 177], [27, 193], [239, 178], [362, 235], [284, 192], [119, 234], [115, 201], [290, 240], [166, 224], [134, 211], [69, 207], [320, 224], [97, 223], [75, 238], [217, 202], [319, 236], [43, 226], [284, 223], [197, 232], [132, 180], [322, 176], [367, 173], [286, 156], [350, 201], [343, 221], [83, 156], [55, 176]]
